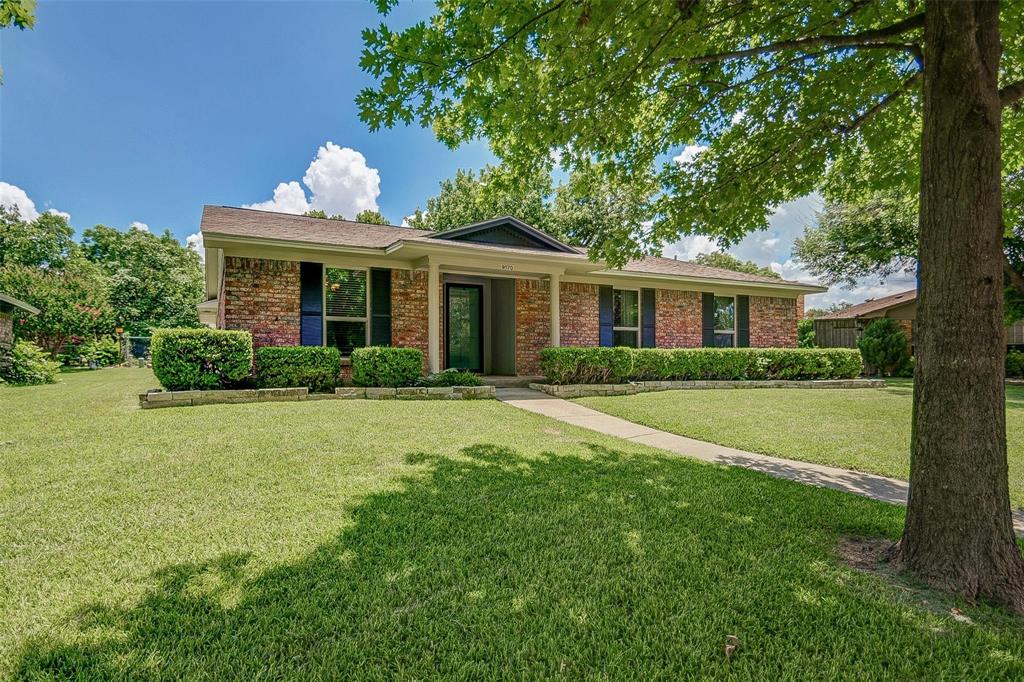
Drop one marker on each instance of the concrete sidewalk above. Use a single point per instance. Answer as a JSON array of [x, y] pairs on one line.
[[875, 487]]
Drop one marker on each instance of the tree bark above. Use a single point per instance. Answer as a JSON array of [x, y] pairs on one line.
[[959, 531]]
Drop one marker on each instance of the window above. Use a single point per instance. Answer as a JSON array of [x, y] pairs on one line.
[[626, 317], [345, 309], [725, 321]]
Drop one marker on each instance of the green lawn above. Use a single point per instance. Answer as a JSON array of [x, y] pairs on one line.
[[863, 429], [467, 540]]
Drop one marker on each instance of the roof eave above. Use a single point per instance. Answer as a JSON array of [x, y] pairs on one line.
[[798, 287], [18, 303]]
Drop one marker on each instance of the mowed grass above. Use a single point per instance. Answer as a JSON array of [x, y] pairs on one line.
[[863, 429], [468, 540]]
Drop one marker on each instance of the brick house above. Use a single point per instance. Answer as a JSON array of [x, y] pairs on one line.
[[479, 297]]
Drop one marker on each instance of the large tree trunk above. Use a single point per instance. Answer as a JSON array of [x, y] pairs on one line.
[[959, 531]]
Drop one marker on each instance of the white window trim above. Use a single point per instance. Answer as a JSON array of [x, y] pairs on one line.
[[735, 313], [636, 329], [335, 318]]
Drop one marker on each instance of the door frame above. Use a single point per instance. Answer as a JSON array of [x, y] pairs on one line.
[[448, 328]]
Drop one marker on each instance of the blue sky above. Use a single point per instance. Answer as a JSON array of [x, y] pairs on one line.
[[141, 112]]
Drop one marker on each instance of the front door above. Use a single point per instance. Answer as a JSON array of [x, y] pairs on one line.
[[463, 326]]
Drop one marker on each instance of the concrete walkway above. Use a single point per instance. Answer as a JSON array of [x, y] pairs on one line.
[[881, 488]]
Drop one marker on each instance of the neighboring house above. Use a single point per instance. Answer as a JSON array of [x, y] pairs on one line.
[[841, 329], [8, 307], [478, 297]]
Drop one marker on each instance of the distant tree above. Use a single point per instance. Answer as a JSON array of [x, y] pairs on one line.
[[870, 237], [597, 204], [470, 197], [320, 213], [47, 241], [834, 308], [73, 302], [371, 217], [727, 261], [154, 280]]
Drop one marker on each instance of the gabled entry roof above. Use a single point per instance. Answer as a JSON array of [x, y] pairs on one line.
[[506, 231]]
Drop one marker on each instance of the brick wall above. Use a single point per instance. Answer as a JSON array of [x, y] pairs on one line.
[[6, 330], [773, 322], [409, 325], [908, 328], [262, 297], [579, 310], [533, 324], [677, 318]]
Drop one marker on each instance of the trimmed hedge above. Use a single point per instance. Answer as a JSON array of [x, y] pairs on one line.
[[318, 368], [187, 359], [386, 366], [570, 365]]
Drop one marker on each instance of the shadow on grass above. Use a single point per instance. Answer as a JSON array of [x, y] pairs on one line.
[[490, 564]]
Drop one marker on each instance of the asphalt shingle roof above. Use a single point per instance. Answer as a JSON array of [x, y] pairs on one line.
[[246, 222], [872, 305]]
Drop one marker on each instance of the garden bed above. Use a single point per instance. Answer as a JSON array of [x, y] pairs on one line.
[[158, 398], [591, 390]]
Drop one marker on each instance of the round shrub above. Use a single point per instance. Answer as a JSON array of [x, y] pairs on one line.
[[26, 364], [1015, 364], [884, 347], [318, 368], [187, 359], [386, 367]]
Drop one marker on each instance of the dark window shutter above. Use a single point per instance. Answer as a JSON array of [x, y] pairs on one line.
[[380, 307], [605, 316], [647, 335], [742, 321], [311, 304], [707, 320]]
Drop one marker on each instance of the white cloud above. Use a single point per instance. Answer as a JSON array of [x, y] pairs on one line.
[[339, 182], [63, 214], [195, 242], [739, 116], [288, 198], [689, 153], [12, 195], [141, 227]]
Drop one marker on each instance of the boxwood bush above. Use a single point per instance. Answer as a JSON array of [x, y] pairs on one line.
[[318, 368], [570, 365], [386, 367], [186, 359]]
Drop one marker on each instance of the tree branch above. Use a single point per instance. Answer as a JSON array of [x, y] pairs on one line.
[[881, 105], [872, 39], [1011, 93]]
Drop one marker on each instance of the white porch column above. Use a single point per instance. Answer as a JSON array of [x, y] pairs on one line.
[[555, 314], [433, 318]]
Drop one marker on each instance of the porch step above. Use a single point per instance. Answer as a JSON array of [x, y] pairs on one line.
[[511, 382]]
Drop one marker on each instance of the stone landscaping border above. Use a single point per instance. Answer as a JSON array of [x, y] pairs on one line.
[[590, 390], [157, 398]]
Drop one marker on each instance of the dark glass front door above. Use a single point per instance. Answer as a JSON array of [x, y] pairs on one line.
[[464, 340]]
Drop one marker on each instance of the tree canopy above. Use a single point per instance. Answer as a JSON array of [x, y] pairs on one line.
[[631, 84], [576, 211], [737, 107], [727, 261]]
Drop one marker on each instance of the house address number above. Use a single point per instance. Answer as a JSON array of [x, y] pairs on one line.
[[508, 268]]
